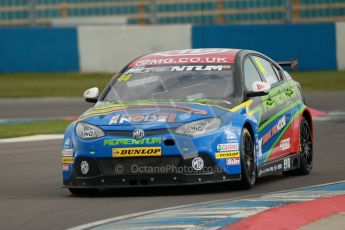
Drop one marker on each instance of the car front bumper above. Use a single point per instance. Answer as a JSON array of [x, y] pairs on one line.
[[145, 172]]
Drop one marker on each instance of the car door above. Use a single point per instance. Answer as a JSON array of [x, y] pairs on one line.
[[262, 108], [252, 74], [285, 107], [275, 118]]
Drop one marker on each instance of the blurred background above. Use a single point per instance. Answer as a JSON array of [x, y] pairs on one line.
[[57, 12], [52, 50]]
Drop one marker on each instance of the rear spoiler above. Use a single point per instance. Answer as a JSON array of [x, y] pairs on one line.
[[292, 64]]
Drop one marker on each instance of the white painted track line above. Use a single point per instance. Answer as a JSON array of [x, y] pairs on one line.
[[32, 138]]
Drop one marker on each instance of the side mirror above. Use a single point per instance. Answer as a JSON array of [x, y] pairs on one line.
[[91, 95], [259, 88]]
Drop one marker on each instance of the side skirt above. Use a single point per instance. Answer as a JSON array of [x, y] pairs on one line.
[[287, 163]]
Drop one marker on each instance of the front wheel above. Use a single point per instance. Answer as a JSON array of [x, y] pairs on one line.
[[248, 163]]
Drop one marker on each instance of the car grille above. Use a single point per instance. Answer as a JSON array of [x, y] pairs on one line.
[[153, 165]]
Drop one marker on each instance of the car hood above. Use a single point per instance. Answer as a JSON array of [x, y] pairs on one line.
[[152, 114]]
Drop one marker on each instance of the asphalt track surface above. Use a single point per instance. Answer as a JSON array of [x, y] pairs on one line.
[[44, 108], [31, 196]]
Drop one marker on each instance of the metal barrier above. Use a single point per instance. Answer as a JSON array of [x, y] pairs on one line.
[[109, 48]]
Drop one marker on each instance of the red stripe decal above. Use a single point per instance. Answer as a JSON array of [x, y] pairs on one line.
[[294, 215]]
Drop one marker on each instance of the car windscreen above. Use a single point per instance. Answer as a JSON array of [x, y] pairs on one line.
[[173, 82]]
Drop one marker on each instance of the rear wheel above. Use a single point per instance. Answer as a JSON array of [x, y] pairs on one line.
[[306, 151], [248, 164], [83, 191]]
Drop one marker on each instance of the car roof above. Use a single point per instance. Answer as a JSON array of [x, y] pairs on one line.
[[187, 56]]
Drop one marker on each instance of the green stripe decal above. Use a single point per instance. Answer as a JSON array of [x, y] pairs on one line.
[[283, 132], [269, 121]]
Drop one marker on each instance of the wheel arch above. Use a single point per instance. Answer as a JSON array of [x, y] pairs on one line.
[[69, 134], [247, 181], [248, 126], [251, 127], [307, 115], [70, 128]]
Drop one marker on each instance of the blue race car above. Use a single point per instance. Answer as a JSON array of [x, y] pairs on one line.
[[190, 117]]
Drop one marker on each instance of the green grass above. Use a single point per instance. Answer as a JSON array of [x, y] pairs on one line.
[[27, 129], [321, 80], [49, 85], [74, 84]]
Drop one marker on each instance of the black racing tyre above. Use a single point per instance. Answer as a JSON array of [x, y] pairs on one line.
[[248, 163], [306, 151], [83, 191]]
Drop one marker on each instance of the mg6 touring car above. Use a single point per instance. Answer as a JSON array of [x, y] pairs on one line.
[[189, 117]]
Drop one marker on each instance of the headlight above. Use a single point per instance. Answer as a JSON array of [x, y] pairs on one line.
[[200, 127], [88, 132]]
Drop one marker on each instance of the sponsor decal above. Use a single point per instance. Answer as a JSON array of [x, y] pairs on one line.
[[135, 118], [230, 135], [67, 142], [84, 167], [271, 168], [261, 67], [287, 164], [65, 167], [67, 152], [267, 170], [198, 163], [233, 161], [260, 172], [281, 123], [275, 129], [174, 68], [233, 154], [194, 128], [125, 77], [67, 160], [119, 169], [259, 86], [260, 148], [114, 119], [137, 152], [143, 69], [199, 68], [227, 147], [285, 144], [102, 109], [264, 171], [181, 60], [144, 141], [138, 134]]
